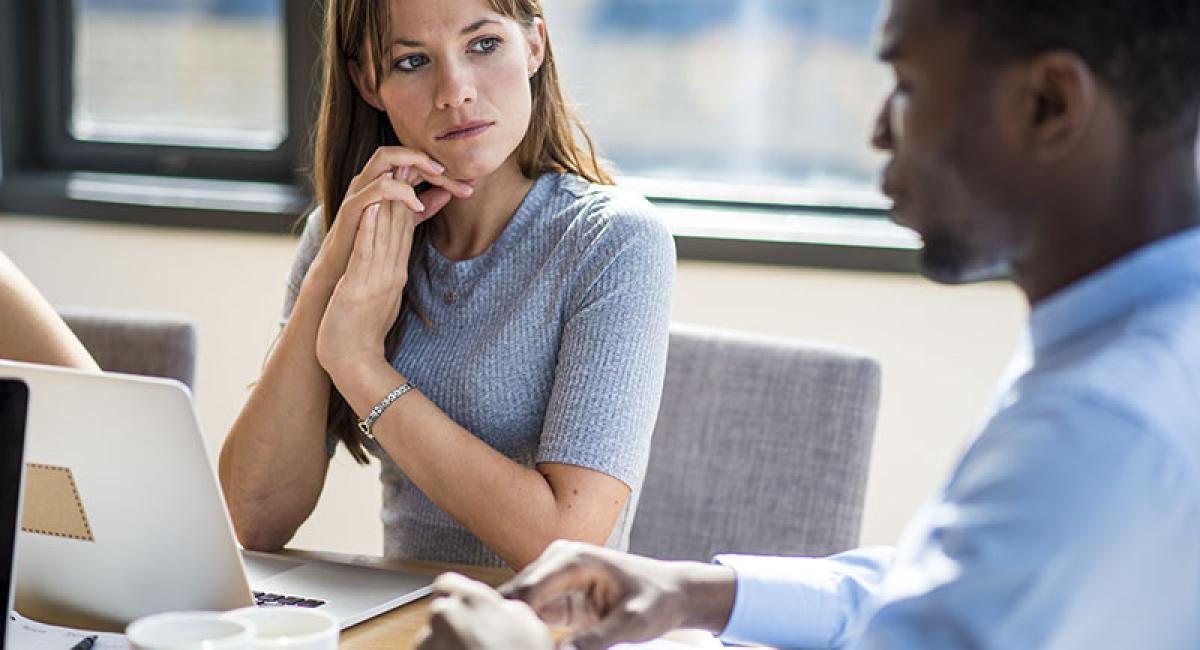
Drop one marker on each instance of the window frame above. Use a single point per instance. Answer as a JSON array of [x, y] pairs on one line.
[[42, 166], [62, 150]]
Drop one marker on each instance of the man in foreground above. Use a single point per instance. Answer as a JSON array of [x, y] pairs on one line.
[[1054, 140]]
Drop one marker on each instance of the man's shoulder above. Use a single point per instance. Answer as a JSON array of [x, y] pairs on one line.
[[1149, 357], [1134, 384]]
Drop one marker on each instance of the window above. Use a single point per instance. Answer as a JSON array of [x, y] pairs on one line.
[[760, 100], [183, 112], [746, 120], [207, 73]]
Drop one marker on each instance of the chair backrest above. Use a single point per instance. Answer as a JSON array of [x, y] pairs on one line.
[[761, 447], [153, 344]]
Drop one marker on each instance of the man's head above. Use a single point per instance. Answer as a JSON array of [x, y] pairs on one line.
[[1004, 110]]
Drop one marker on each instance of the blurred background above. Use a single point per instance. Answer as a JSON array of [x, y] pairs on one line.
[[735, 92], [748, 118]]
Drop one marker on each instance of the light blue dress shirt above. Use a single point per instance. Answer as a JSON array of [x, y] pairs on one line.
[[1072, 521]]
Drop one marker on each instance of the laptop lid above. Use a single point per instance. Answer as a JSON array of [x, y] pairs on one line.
[[122, 516], [14, 398]]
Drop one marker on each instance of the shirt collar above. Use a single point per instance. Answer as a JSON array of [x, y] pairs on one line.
[[1138, 278]]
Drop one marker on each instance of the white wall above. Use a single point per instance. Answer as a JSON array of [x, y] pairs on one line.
[[942, 348]]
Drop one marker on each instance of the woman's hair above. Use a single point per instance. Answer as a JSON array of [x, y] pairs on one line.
[[349, 130]]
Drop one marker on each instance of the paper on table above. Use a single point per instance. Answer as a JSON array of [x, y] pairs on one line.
[[27, 634]]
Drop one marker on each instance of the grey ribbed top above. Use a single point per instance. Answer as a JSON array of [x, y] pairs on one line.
[[550, 347]]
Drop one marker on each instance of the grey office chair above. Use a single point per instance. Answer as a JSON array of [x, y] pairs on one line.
[[154, 344], [761, 447]]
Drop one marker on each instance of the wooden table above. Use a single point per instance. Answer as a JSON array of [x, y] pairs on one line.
[[397, 629]]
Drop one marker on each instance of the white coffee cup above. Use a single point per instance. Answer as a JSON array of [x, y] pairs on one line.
[[191, 631], [290, 628]]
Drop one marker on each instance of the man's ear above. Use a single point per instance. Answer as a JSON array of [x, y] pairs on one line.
[[364, 82], [536, 35], [1060, 103]]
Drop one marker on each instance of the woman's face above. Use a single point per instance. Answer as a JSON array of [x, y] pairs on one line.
[[456, 82]]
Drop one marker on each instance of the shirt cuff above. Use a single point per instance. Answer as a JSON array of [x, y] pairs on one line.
[[783, 601]]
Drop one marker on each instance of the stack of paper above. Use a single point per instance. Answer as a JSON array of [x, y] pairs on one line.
[[31, 635]]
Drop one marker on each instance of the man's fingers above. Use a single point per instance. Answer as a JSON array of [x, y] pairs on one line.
[[621, 626], [557, 612], [557, 556], [458, 585], [540, 589], [456, 610], [573, 610], [425, 640], [448, 583], [563, 567], [440, 631]]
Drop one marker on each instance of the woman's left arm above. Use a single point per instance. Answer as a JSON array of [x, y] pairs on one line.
[[32, 331], [601, 413]]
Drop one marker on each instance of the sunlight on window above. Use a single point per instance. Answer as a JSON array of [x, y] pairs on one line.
[[767, 93], [189, 72]]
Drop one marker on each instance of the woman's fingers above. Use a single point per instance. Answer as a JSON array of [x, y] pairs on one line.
[[434, 200], [622, 625], [385, 249], [388, 180], [364, 243], [385, 188], [405, 223], [423, 167], [384, 159]]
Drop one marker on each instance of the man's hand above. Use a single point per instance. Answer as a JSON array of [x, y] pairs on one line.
[[469, 615], [606, 597]]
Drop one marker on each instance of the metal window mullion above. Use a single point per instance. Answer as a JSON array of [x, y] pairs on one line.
[[302, 20]]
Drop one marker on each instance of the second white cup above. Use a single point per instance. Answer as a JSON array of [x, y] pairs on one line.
[[190, 631], [289, 628]]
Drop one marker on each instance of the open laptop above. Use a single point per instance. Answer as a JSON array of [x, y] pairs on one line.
[[123, 515], [13, 402]]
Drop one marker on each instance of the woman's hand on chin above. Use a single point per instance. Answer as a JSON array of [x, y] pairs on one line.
[[389, 176]]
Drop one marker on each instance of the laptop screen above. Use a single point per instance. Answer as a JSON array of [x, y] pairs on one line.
[[14, 400]]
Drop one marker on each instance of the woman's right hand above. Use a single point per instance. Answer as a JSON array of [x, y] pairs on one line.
[[375, 184]]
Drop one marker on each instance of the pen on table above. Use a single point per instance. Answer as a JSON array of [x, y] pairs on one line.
[[85, 643]]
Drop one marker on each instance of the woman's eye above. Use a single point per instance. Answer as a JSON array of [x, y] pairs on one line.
[[410, 63], [485, 45]]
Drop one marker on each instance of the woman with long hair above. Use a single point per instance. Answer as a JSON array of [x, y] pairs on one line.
[[472, 302]]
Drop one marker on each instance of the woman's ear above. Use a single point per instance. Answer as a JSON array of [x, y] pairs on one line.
[[364, 82], [536, 35]]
